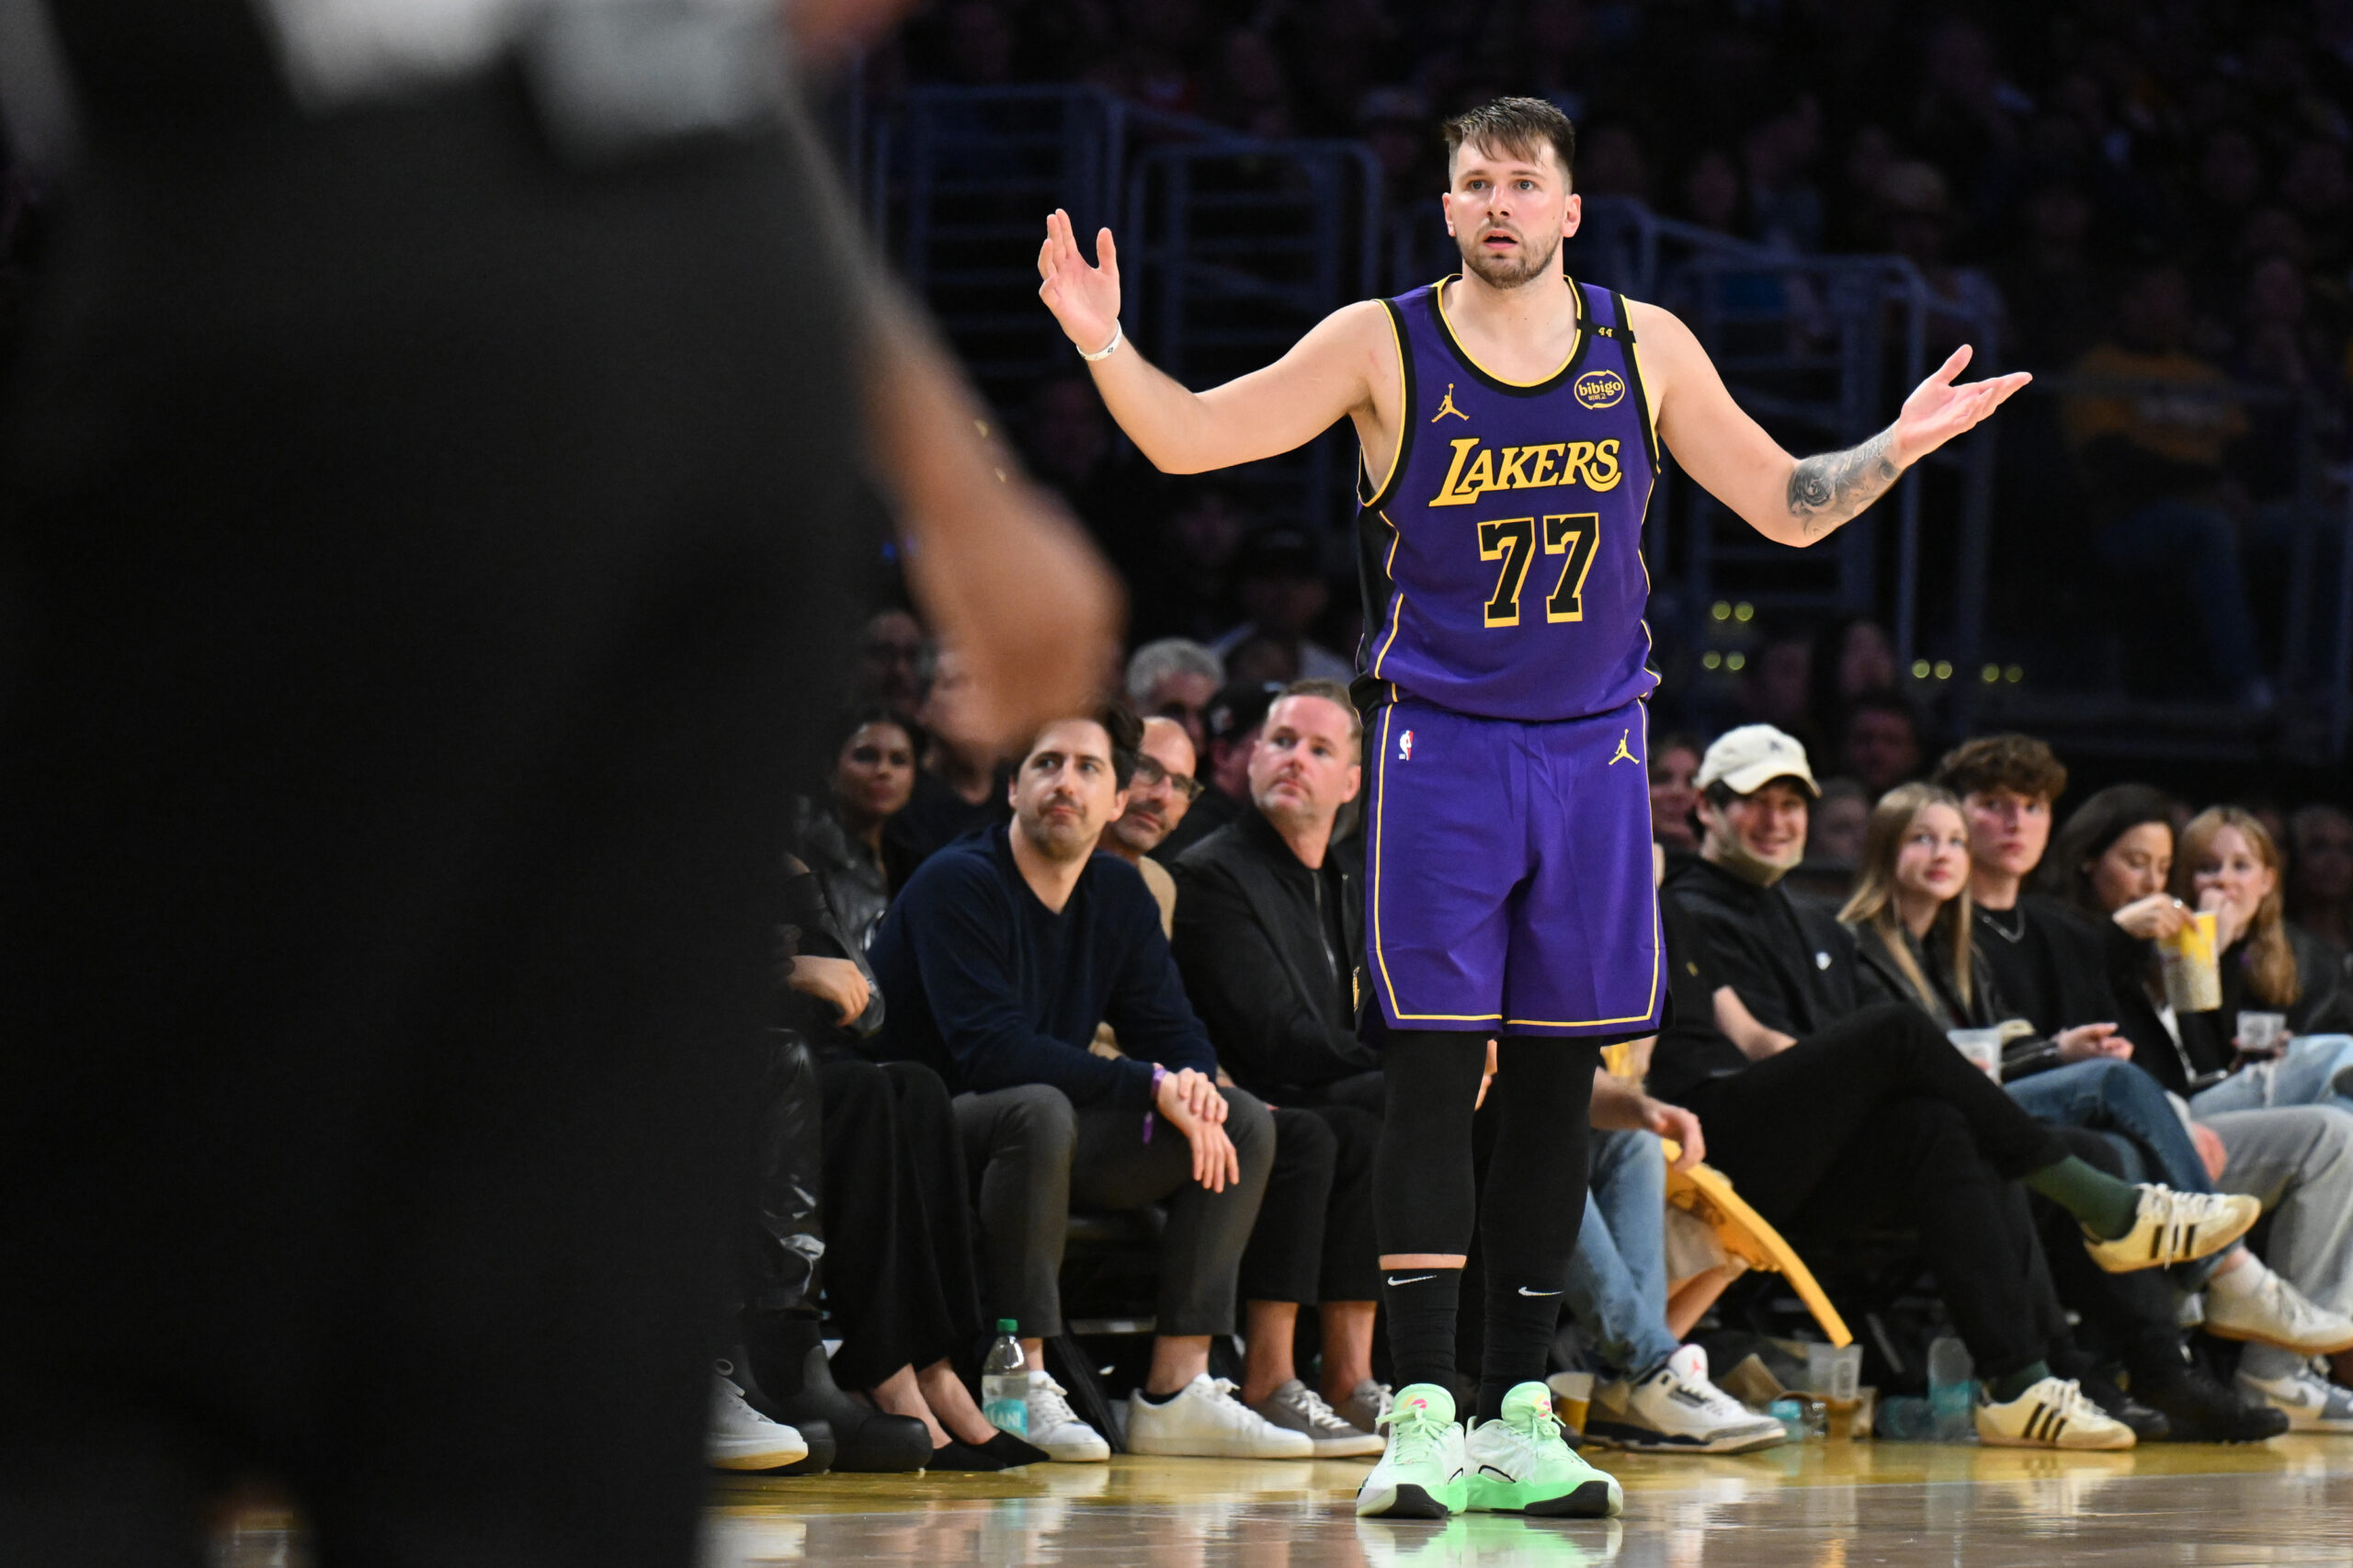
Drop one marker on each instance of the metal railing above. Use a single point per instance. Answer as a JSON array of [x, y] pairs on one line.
[[1821, 350], [1234, 246]]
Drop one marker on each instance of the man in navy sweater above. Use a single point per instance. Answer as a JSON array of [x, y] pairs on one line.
[[999, 958]]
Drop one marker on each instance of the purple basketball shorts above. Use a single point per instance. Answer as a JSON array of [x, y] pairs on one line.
[[1507, 873]]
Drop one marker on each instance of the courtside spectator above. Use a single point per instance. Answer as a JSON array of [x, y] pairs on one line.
[[1675, 760], [1176, 678], [1836, 1117], [2113, 859], [1233, 717], [1269, 937], [1918, 944], [840, 839], [999, 958], [1159, 795]]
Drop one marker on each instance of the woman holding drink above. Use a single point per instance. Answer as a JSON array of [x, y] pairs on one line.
[[2114, 862], [2285, 1021]]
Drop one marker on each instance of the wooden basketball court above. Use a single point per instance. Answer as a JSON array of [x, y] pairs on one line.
[[1823, 1504]]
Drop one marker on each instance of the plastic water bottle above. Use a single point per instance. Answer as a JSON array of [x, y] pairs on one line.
[[1005, 1383], [1952, 1391]]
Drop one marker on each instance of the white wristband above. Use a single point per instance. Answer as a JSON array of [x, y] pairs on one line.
[[1119, 336]]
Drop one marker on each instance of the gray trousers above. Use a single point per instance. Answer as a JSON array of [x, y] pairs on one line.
[[1032, 1156], [2299, 1161]]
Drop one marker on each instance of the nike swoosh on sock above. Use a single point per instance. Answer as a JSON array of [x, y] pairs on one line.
[[1526, 1291], [1413, 1280]]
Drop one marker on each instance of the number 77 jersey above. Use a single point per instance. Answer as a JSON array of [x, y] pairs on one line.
[[1502, 553]]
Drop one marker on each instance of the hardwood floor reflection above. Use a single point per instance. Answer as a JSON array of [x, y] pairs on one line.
[[1818, 1505]]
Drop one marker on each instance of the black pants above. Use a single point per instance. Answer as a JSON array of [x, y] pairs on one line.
[[1314, 1241], [900, 1271], [1878, 1122], [420, 560]]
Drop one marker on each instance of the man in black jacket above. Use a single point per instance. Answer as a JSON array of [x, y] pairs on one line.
[[1269, 927], [1838, 1116]]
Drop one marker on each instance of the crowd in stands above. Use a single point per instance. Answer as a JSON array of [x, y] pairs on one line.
[[1120, 970], [2155, 202]]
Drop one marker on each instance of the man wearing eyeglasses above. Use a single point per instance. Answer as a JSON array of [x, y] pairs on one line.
[[1162, 792]]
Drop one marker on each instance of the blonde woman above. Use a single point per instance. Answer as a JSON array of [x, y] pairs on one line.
[[1910, 913], [2228, 865]]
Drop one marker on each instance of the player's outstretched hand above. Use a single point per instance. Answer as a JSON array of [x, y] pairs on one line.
[[1084, 298], [1938, 410]]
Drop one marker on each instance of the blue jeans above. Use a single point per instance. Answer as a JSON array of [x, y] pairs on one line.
[[2316, 1070], [2110, 1096], [1617, 1288]]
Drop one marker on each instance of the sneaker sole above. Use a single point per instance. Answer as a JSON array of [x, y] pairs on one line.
[[1998, 1441], [1641, 1442], [1179, 1450], [1405, 1502], [1347, 1447], [1587, 1500], [2250, 1336], [756, 1459]]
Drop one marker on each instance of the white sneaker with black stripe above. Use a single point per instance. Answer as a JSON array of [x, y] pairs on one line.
[[2053, 1413], [1675, 1410], [2175, 1227]]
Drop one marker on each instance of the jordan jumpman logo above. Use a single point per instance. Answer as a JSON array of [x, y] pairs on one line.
[[1446, 406], [1623, 755]]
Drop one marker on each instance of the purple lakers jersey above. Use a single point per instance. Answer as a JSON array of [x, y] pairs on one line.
[[1502, 553]]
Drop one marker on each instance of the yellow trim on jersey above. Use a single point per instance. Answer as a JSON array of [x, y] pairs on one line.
[[1650, 407], [1576, 342], [1405, 415], [1397, 615]]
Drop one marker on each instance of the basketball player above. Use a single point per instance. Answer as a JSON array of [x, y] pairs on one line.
[[1511, 422]]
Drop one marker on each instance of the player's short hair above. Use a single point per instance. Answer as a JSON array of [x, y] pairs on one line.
[[2014, 762], [1520, 127], [1331, 691]]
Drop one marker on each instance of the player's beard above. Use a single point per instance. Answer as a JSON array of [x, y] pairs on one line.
[[1497, 273]]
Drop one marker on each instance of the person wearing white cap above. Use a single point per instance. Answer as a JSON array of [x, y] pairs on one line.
[[1834, 1118]]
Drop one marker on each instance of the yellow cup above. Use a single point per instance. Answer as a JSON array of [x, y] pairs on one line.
[[2193, 977]]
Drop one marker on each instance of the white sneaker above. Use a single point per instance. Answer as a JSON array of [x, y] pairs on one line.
[[2053, 1413], [1677, 1410], [1055, 1428], [2176, 1227], [1422, 1472], [1297, 1408], [2272, 1311], [2311, 1402], [741, 1438], [1205, 1421]]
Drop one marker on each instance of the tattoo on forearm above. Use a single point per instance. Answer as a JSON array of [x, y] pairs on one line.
[[1828, 489]]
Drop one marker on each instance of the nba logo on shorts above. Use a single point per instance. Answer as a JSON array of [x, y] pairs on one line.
[[1405, 747]]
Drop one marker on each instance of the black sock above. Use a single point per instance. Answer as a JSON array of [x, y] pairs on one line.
[[1422, 1303], [1151, 1398], [1521, 1323]]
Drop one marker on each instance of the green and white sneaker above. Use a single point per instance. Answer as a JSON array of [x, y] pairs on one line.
[[1420, 1472], [1521, 1464]]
